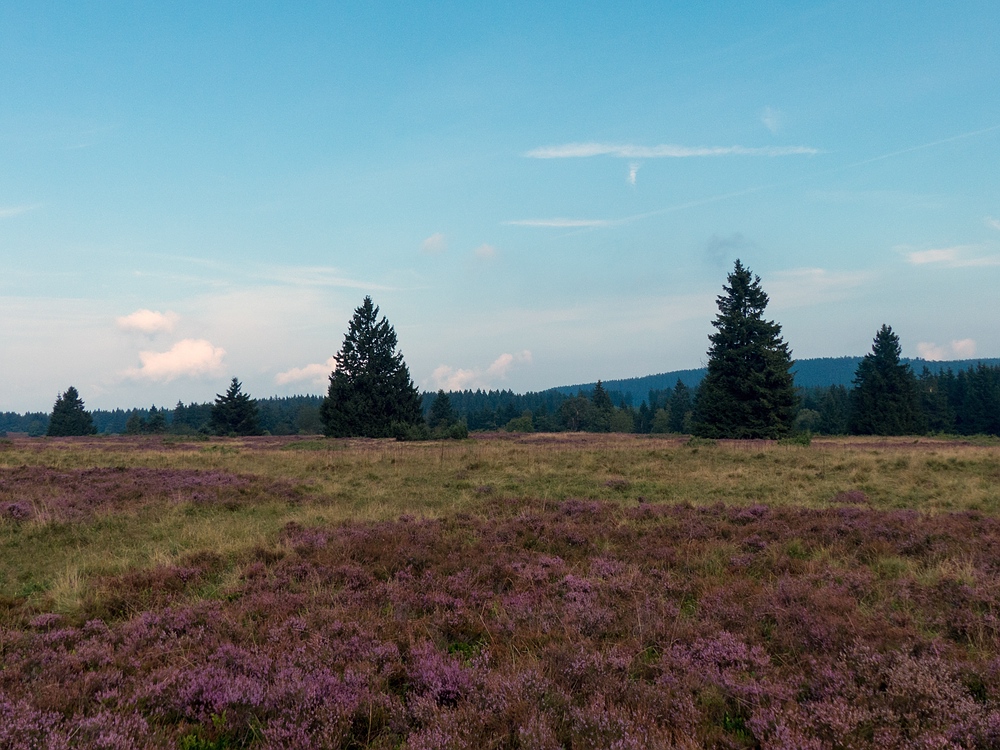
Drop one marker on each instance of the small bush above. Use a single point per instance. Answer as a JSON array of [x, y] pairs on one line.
[[406, 432], [797, 438]]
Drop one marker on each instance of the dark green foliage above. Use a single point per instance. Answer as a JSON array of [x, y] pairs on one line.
[[748, 390], [35, 424], [600, 418], [601, 399], [135, 425], [884, 400], [441, 413], [69, 417], [967, 403], [443, 421], [578, 413], [939, 414], [234, 413], [978, 410], [371, 388], [157, 422], [307, 421], [680, 408], [191, 418]]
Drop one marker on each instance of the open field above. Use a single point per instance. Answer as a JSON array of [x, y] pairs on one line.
[[541, 591]]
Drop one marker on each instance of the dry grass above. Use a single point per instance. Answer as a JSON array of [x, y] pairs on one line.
[[368, 480]]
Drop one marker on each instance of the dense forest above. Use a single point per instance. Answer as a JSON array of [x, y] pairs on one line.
[[961, 398], [820, 372], [952, 401], [279, 415]]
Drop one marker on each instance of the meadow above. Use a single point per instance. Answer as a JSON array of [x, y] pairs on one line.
[[508, 591]]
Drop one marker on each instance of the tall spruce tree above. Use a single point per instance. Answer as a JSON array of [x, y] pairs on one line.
[[885, 399], [679, 408], [441, 413], [748, 391], [69, 418], [234, 413], [371, 388]]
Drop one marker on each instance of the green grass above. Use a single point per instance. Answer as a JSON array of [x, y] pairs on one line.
[[53, 563]]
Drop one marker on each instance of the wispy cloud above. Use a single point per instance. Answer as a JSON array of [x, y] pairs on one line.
[[457, 379], [633, 170], [994, 223], [560, 223], [801, 287], [323, 276], [186, 358], [317, 374], [8, 212], [435, 244], [148, 321], [959, 256], [960, 349], [664, 151], [485, 251], [771, 118]]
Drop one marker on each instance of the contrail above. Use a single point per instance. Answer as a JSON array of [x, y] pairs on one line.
[[606, 223]]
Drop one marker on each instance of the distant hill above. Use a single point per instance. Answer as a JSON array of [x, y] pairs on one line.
[[809, 373]]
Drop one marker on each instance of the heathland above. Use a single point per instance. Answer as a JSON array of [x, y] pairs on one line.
[[508, 591]]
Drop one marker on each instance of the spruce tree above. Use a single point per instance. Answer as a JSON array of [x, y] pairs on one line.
[[371, 388], [748, 391], [603, 409], [157, 421], [885, 399], [69, 418], [680, 408], [441, 413], [234, 413]]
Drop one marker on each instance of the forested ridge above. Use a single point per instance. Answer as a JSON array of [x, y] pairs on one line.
[[750, 389], [960, 397]]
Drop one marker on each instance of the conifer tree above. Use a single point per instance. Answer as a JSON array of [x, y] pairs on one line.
[[441, 413], [371, 388], [748, 391], [69, 418], [157, 421], [885, 399], [603, 409], [234, 413], [680, 408]]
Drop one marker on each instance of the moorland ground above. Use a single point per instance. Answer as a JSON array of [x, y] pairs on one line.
[[538, 591]]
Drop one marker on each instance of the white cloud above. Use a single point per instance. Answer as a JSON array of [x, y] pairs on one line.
[[485, 251], [964, 348], [801, 287], [7, 212], [664, 151], [560, 223], [459, 379], [434, 245], [994, 223], [771, 119], [940, 255], [959, 256], [633, 169], [316, 276], [317, 374], [959, 349], [148, 321], [186, 358]]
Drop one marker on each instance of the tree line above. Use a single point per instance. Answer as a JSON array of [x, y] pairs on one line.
[[747, 392]]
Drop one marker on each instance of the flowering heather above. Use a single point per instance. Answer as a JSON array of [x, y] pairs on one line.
[[46, 494], [581, 624]]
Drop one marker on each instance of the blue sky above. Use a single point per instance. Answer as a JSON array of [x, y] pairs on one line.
[[534, 194]]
